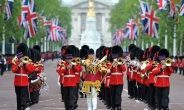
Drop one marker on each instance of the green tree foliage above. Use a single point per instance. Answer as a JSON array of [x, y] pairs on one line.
[[51, 9], [125, 9]]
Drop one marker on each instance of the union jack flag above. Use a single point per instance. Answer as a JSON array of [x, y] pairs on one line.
[[8, 9], [51, 36], [131, 30], [145, 7], [22, 17], [31, 21], [172, 8], [162, 4], [182, 9], [151, 24]]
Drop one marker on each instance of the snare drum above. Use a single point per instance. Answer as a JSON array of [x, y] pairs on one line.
[[37, 85]]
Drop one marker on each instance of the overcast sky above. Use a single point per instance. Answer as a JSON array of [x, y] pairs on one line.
[[114, 1]]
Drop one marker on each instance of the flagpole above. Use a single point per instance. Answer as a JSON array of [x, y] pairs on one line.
[[41, 44], [174, 41], [146, 44], [158, 42], [3, 41], [142, 44], [151, 43], [12, 48], [166, 39], [28, 42], [45, 44]]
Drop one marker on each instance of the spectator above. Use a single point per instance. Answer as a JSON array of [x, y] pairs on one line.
[[2, 64]]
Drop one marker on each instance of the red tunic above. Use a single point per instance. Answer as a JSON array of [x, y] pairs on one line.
[[69, 75], [116, 75], [21, 74], [162, 79], [149, 68]]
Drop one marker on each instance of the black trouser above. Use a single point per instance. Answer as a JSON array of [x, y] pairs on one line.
[[175, 69], [128, 85], [148, 95], [37, 94], [135, 88], [152, 94], [144, 92], [77, 93], [139, 92], [103, 91], [69, 96], [32, 96], [62, 94], [9, 67], [131, 93], [116, 91], [162, 97], [21, 95], [2, 69], [108, 97], [181, 71]]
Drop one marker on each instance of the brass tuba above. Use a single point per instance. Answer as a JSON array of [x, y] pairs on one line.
[[168, 61], [25, 59]]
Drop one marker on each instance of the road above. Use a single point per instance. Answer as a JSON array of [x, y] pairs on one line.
[[51, 100]]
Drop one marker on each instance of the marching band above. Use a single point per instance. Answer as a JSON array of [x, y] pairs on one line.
[[94, 74]]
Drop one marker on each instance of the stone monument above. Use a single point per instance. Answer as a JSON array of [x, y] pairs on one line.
[[91, 36]]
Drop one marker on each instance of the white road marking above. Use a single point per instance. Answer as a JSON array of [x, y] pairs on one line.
[[125, 90], [137, 101], [46, 100], [27, 108]]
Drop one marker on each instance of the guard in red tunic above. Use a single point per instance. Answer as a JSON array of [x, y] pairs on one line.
[[134, 71], [151, 77], [21, 68], [139, 56], [163, 72], [116, 77], [61, 65], [175, 62], [70, 83], [129, 70]]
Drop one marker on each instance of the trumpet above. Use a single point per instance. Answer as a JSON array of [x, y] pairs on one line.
[[25, 59], [145, 63], [78, 60], [143, 75], [119, 61], [168, 61]]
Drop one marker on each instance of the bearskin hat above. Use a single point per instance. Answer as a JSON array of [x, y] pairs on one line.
[[162, 54], [70, 52], [38, 55], [33, 54], [91, 51], [117, 51], [83, 53], [140, 54], [180, 57], [85, 47], [153, 50], [133, 53], [37, 47], [131, 47], [98, 51], [76, 50], [22, 47]]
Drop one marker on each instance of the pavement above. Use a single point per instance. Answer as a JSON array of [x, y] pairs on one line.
[[51, 98]]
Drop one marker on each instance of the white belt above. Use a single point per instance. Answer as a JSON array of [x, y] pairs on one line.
[[76, 73], [138, 72], [116, 73], [69, 75], [21, 74], [108, 76], [164, 76]]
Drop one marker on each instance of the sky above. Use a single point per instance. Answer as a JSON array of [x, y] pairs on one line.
[[114, 1]]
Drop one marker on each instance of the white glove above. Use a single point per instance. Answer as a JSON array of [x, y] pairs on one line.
[[33, 81], [108, 71]]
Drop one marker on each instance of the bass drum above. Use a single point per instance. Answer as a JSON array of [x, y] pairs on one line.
[[36, 85]]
